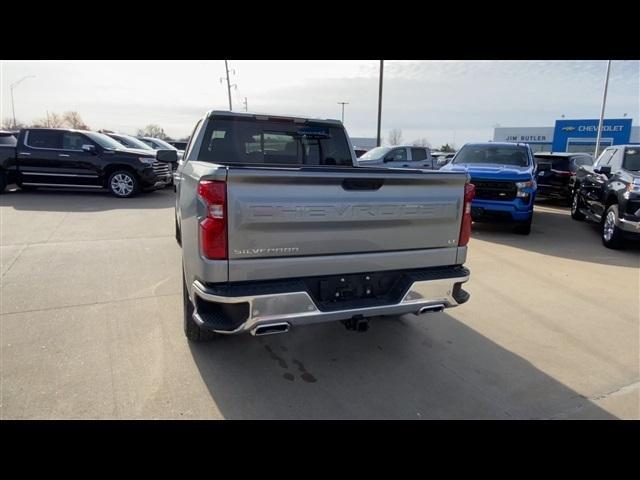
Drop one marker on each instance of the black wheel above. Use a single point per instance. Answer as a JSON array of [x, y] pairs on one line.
[[576, 205], [123, 184], [191, 328], [611, 234], [523, 228], [3, 181]]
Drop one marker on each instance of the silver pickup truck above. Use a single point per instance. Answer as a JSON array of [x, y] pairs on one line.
[[280, 228]]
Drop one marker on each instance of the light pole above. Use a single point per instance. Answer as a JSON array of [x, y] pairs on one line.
[[380, 102], [343, 104], [11, 87], [229, 84], [604, 101]]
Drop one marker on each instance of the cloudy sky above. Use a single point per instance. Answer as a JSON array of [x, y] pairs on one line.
[[442, 101]]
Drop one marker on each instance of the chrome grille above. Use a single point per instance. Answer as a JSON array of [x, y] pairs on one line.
[[161, 168]]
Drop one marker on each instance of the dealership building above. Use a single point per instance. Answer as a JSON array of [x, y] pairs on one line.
[[571, 135]]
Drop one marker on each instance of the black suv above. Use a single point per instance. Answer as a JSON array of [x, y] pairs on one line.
[[609, 193], [556, 173], [44, 157]]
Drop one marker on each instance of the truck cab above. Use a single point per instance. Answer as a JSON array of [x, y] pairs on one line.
[[504, 179]]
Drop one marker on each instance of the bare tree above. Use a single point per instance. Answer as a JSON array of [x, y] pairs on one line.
[[395, 136], [421, 142], [153, 130], [73, 120], [7, 124], [447, 148], [52, 120]]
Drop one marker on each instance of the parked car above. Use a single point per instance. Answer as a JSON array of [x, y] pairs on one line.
[[503, 175], [609, 193], [555, 173], [129, 141], [133, 142], [158, 144], [45, 157], [179, 145], [398, 156], [278, 229]]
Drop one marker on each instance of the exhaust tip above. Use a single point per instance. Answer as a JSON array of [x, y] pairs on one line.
[[431, 309], [271, 329]]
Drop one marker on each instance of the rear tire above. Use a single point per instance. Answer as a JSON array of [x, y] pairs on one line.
[[612, 236], [123, 184], [3, 182], [523, 228], [576, 204], [191, 329]]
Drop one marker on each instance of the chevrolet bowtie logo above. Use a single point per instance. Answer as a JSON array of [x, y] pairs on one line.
[[568, 129]]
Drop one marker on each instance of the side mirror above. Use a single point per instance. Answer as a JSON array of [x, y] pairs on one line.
[[604, 170], [167, 156], [89, 149], [387, 159]]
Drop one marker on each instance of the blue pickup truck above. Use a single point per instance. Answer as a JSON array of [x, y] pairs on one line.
[[504, 177]]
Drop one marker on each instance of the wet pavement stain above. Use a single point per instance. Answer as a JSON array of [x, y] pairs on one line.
[[306, 376], [275, 357], [289, 376], [283, 348], [379, 347]]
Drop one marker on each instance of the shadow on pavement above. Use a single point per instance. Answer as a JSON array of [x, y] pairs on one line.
[[555, 233], [402, 368], [71, 200]]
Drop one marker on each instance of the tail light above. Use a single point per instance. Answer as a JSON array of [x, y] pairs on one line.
[[213, 227], [465, 227]]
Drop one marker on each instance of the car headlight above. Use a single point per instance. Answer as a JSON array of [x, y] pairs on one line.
[[522, 185], [147, 160]]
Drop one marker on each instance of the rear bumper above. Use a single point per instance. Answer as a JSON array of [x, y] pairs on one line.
[[295, 306]]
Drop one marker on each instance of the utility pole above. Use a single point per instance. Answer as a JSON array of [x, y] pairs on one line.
[[604, 101], [246, 108], [380, 102], [343, 104], [11, 87], [229, 84]]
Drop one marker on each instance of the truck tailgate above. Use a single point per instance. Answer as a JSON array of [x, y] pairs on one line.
[[280, 212]]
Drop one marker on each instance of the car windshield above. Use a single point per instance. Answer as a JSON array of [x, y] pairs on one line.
[[632, 159], [492, 154], [104, 140], [375, 153], [132, 142], [161, 144]]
